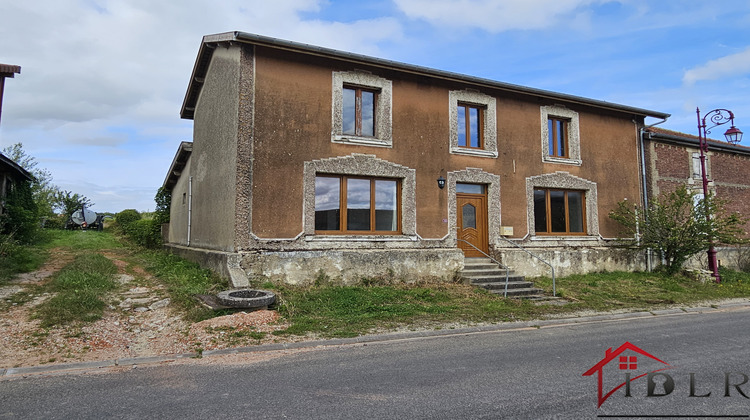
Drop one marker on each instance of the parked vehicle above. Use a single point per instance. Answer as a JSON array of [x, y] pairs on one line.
[[84, 218]]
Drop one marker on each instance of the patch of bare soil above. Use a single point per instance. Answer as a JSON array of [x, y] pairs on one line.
[[140, 321]]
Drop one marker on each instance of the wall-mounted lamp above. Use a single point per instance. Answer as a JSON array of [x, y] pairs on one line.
[[441, 182]]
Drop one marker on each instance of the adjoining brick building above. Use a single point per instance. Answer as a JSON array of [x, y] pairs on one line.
[[673, 158], [307, 160]]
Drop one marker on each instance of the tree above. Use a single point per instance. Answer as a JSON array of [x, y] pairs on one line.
[[163, 200], [69, 202], [42, 189], [675, 224]]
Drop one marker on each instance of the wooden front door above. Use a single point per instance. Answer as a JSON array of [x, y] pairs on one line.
[[472, 223]]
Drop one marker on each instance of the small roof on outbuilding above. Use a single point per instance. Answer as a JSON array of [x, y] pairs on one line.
[[178, 164], [9, 70], [13, 169]]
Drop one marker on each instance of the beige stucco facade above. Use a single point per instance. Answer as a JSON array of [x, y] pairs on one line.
[[267, 121]]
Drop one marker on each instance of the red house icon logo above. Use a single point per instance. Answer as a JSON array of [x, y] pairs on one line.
[[625, 362]]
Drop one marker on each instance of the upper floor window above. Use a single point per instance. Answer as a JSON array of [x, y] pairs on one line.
[[558, 136], [561, 142], [473, 123], [559, 212], [470, 125], [696, 165], [361, 109], [357, 205]]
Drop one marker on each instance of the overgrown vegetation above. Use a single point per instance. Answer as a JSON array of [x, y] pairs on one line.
[[79, 291], [621, 290], [18, 258], [145, 231], [338, 311], [19, 221], [183, 280], [676, 225], [324, 309]]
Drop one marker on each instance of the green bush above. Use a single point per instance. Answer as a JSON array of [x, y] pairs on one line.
[[56, 222], [145, 233], [20, 218], [126, 217]]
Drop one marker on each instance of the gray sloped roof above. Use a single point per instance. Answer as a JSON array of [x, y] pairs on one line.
[[7, 165], [210, 41]]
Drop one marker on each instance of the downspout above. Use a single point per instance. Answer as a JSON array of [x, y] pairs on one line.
[[649, 252], [190, 208]]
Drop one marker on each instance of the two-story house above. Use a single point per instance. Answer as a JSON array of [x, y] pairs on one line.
[[307, 160]]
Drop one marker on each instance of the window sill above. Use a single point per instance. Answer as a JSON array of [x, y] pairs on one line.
[[563, 161], [564, 238], [473, 152], [361, 141], [360, 238]]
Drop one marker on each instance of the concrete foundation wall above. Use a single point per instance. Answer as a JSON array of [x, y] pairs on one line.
[[732, 257], [574, 260], [216, 261], [350, 266]]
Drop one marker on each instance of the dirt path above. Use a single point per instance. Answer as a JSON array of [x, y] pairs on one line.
[[140, 321]]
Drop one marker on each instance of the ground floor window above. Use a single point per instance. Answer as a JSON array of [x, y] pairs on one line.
[[559, 212], [358, 205]]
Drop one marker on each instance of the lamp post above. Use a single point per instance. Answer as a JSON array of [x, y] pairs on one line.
[[733, 135]]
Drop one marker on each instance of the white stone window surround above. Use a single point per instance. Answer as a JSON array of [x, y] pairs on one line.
[[564, 181], [574, 137], [475, 176], [358, 164], [383, 108], [489, 136]]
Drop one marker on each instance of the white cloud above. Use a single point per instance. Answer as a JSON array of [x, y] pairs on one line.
[[494, 16], [728, 66], [103, 80]]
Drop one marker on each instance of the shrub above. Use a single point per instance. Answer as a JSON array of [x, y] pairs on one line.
[[20, 218], [145, 233], [56, 222], [126, 217]]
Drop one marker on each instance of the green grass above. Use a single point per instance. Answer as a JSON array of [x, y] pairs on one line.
[[15, 258], [82, 240], [80, 289], [639, 290], [348, 311], [328, 310], [338, 311], [184, 280]]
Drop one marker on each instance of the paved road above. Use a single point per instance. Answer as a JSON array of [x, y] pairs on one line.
[[531, 373]]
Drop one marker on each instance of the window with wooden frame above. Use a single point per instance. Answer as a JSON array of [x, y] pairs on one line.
[[559, 212], [557, 129], [357, 205], [470, 125], [359, 111], [560, 135]]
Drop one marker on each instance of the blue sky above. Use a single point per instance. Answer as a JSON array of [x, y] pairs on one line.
[[98, 98]]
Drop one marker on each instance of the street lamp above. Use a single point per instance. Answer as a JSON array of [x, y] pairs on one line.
[[733, 135]]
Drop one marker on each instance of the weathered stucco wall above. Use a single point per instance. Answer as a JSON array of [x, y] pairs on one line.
[[571, 260], [352, 266], [178, 210], [293, 125], [214, 154]]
